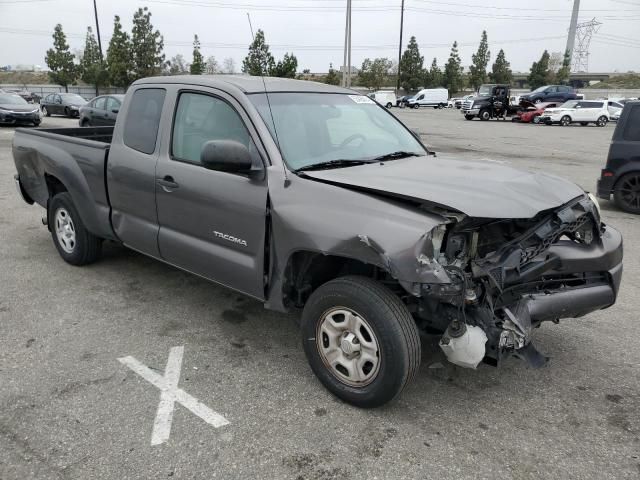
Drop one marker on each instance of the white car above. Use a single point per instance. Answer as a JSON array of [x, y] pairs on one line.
[[615, 109], [578, 111]]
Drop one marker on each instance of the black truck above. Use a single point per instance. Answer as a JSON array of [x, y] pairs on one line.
[[492, 101], [621, 175]]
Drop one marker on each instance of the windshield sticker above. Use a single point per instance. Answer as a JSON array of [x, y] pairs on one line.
[[361, 99]]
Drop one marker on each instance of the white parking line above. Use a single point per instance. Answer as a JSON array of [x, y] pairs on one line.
[[170, 394]]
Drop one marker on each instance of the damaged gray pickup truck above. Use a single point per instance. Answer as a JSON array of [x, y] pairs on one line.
[[312, 197]]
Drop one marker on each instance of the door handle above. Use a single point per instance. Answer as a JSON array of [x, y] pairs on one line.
[[167, 183]]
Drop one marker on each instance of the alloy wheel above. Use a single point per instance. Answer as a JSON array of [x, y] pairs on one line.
[[630, 191]]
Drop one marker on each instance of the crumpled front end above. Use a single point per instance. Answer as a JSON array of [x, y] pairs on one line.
[[505, 277]]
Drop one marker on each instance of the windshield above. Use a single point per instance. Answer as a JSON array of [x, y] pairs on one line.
[[569, 104], [540, 89], [316, 127], [12, 100], [72, 98], [485, 90]]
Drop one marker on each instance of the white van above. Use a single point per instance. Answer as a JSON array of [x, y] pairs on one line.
[[429, 97], [384, 97]]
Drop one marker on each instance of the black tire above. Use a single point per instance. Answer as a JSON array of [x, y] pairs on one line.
[[469, 117], [393, 329], [626, 193], [538, 100], [67, 112], [415, 105], [484, 115], [45, 111], [565, 121], [602, 121], [86, 247], [389, 105], [85, 122], [584, 124], [36, 124]]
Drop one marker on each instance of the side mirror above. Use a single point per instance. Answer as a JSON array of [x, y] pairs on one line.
[[115, 110], [226, 156]]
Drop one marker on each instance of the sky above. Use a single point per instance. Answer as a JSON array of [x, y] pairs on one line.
[[314, 29]]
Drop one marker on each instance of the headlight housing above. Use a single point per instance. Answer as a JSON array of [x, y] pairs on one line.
[[593, 198]]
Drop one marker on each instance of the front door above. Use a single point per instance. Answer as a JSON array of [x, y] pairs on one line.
[[212, 223], [97, 112]]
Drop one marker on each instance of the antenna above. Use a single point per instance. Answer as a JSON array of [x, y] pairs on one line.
[[266, 94]]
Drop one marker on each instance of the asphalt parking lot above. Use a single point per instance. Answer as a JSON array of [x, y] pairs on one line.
[[70, 409]]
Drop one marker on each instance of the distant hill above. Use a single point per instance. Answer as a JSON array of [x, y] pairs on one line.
[[29, 78], [629, 80]]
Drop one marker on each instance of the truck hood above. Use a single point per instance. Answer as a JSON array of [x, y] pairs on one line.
[[476, 188]]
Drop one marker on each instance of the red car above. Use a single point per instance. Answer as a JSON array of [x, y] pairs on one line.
[[532, 112]]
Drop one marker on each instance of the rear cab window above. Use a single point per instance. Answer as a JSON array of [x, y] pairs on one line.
[[143, 119]]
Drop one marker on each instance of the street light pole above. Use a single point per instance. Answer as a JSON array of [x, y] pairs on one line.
[[400, 47], [349, 49]]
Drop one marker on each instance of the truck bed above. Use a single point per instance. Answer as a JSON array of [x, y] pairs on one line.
[[75, 157]]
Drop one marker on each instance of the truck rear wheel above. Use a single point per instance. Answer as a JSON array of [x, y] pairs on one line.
[[361, 341], [75, 244], [626, 193]]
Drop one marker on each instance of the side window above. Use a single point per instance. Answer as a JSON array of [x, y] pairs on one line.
[[99, 103], [58, 99], [200, 118], [112, 104], [632, 127], [143, 119], [48, 98]]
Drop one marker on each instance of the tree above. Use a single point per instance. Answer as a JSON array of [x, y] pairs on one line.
[[480, 60], [332, 77], [373, 72], [432, 77], [91, 64], [119, 56], [147, 46], [60, 60], [453, 79], [197, 66], [411, 67], [229, 65], [211, 66], [562, 76], [540, 74], [177, 65], [501, 71], [259, 60], [286, 67]]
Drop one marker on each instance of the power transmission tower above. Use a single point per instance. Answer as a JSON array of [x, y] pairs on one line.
[[584, 32]]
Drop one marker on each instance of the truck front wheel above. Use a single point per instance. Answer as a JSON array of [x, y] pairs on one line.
[[361, 341], [485, 115], [75, 244], [469, 117]]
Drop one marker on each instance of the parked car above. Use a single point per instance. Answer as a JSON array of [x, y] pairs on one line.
[[101, 111], [532, 111], [578, 111], [621, 175], [25, 94], [429, 97], [287, 199], [615, 109], [550, 93], [16, 110], [67, 104], [402, 101], [384, 97], [452, 102]]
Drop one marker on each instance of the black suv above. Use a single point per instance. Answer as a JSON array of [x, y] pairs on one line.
[[551, 93], [621, 176]]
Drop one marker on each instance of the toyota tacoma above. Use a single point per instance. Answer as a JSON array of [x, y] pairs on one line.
[[314, 198]]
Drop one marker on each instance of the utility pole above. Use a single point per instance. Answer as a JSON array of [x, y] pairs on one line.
[[95, 11], [349, 51], [346, 64], [400, 46], [571, 39]]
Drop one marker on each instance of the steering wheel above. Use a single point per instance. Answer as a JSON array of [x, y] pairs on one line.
[[352, 138]]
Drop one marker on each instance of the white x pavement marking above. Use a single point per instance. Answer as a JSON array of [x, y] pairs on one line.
[[170, 394]]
